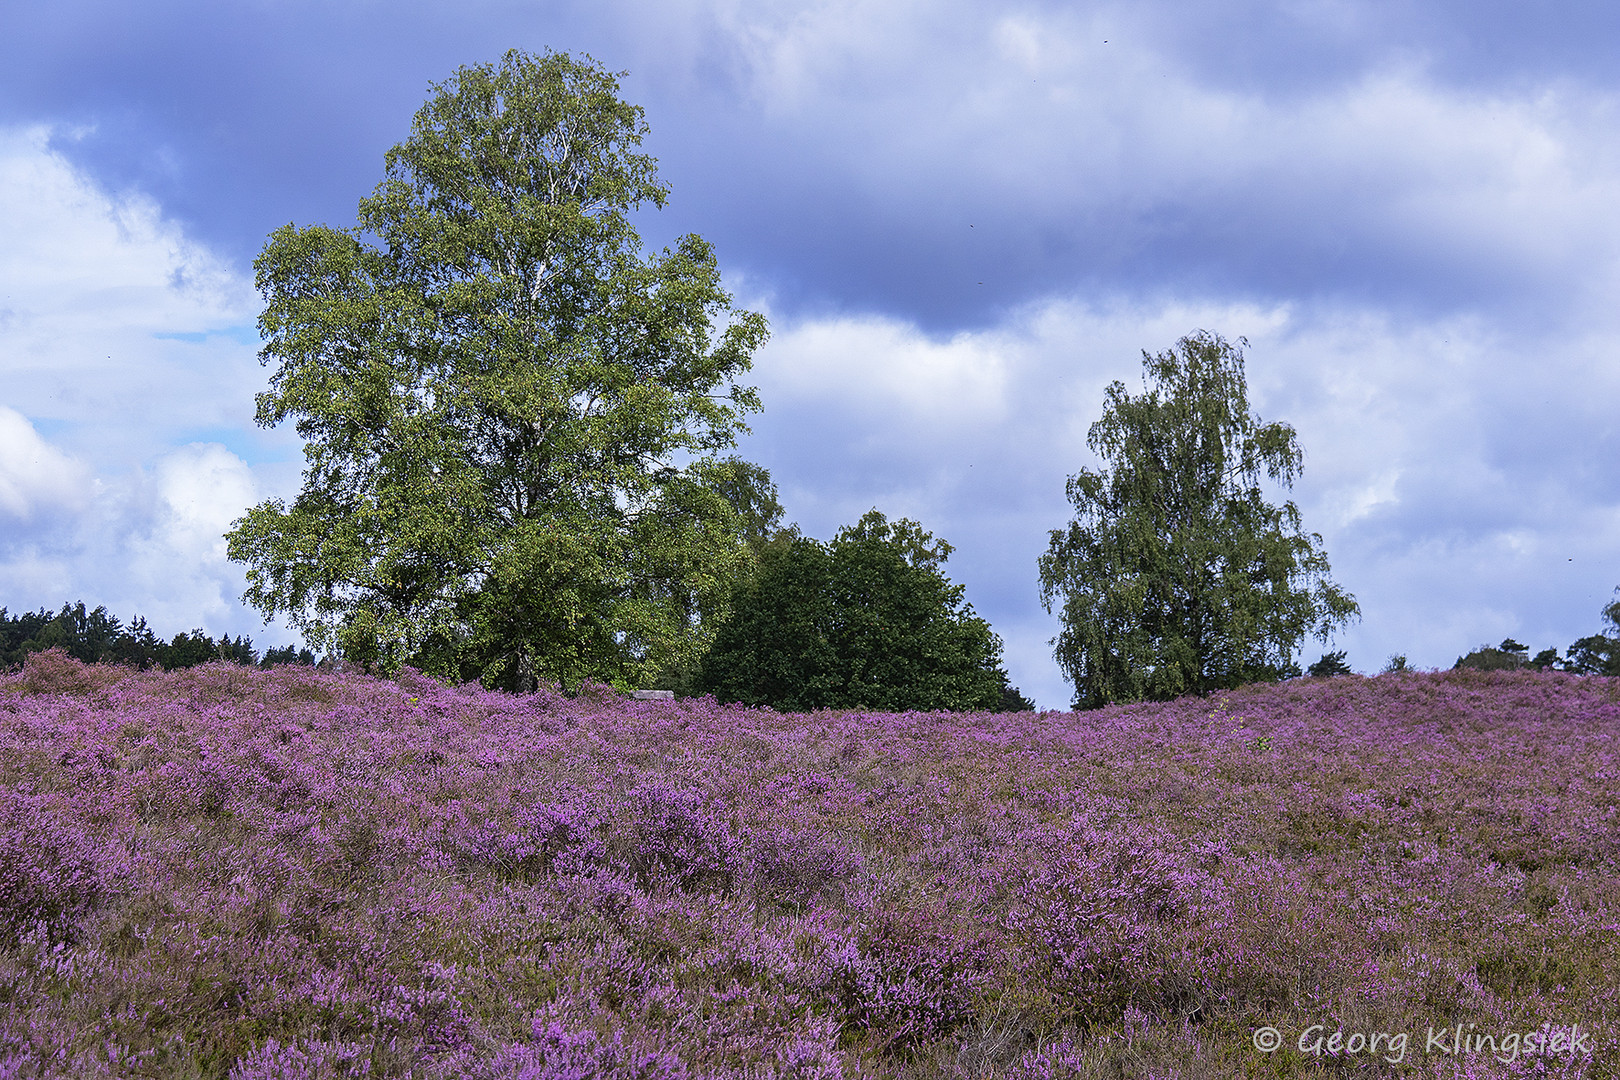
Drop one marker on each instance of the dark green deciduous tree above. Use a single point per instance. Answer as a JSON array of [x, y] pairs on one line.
[[1597, 654], [1177, 576], [869, 621], [513, 417], [1545, 660], [776, 647]]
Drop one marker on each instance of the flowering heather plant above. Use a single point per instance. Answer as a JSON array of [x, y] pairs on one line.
[[49, 873], [239, 874]]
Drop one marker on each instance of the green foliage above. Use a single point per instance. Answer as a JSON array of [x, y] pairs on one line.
[[1012, 699], [287, 655], [869, 621], [96, 637], [1395, 664], [1598, 654], [92, 636], [511, 415], [1329, 665], [1508, 656], [748, 490], [1177, 576], [776, 647], [191, 649]]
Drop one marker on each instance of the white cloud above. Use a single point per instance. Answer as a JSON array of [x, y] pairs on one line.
[[72, 248], [148, 542], [795, 55], [1088, 124], [34, 475], [124, 335], [203, 488], [889, 367], [113, 324], [1525, 181]]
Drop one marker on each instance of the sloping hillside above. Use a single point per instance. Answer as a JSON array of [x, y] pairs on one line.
[[224, 872]]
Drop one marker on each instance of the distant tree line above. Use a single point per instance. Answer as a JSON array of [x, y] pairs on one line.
[[97, 637], [1596, 654]]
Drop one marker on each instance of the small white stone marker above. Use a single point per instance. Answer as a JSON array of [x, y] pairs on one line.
[[653, 695]]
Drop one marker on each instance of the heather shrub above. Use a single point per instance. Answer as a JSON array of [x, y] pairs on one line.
[[225, 872], [53, 671], [661, 837], [1106, 913], [675, 836], [557, 1053], [49, 873], [791, 865]]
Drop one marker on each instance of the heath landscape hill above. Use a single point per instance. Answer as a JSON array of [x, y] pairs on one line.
[[301, 873]]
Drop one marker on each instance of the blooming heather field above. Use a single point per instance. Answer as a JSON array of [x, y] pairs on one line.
[[225, 872]]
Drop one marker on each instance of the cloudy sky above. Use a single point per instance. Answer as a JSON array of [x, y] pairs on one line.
[[963, 220]]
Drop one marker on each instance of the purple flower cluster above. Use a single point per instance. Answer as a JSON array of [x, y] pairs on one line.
[[50, 873], [224, 872]]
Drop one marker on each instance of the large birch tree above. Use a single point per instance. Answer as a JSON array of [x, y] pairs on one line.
[[514, 418], [1177, 576]]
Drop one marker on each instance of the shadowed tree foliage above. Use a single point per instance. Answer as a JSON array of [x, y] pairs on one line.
[[511, 414], [1330, 665], [776, 646], [869, 621], [1508, 656], [1177, 576], [1598, 654]]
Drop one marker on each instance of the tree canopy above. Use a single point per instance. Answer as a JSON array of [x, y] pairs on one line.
[[513, 417], [97, 637], [869, 621], [1177, 576], [1597, 654], [1508, 656], [1330, 665]]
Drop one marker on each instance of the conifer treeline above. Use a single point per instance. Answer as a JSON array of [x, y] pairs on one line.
[[98, 637], [1598, 654]]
